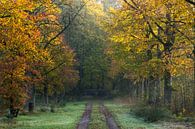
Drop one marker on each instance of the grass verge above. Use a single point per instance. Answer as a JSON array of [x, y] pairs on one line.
[[126, 120], [63, 118], [152, 113]]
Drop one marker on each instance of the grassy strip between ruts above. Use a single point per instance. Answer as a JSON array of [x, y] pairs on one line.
[[126, 120], [97, 120], [64, 118]]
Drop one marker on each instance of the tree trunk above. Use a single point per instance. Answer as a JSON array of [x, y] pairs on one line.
[[46, 94], [170, 35], [56, 97], [11, 107], [32, 103], [30, 107], [145, 89], [194, 79], [151, 99], [167, 88], [157, 83], [142, 90], [34, 96], [137, 92]]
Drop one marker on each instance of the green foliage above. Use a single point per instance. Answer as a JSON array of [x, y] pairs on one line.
[[53, 109], [127, 120], [151, 113], [45, 109], [88, 40], [148, 43], [38, 54]]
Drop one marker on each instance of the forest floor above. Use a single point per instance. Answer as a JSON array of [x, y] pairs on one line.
[[80, 115]]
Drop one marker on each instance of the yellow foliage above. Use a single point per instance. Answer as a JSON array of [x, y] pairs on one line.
[[145, 26]]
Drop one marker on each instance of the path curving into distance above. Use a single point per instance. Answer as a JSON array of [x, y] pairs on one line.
[[109, 118], [84, 122]]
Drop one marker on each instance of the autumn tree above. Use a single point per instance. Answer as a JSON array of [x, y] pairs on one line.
[[158, 34], [61, 56], [19, 49], [193, 53], [32, 50]]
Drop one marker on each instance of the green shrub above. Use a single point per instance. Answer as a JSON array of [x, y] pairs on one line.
[[151, 113], [45, 109], [24, 113], [63, 104], [53, 109]]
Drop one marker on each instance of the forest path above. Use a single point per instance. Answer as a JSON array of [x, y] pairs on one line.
[[83, 124], [109, 118]]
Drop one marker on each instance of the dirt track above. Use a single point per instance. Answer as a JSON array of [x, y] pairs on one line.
[[109, 118], [86, 117], [84, 122]]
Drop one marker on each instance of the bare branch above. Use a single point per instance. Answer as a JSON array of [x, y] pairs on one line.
[[152, 32], [5, 16], [56, 67], [130, 5], [65, 27], [191, 2]]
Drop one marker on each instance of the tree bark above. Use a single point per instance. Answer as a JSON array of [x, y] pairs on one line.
[[142, 90], [170, 35], [34, 96], [194, 79], [152, 94], [151, 99], [167, 88], [46, 94], [145, 89], [157, 82], [32, 102]]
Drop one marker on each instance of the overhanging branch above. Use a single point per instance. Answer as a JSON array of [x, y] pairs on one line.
[[191, 2], [65, 27], [5, 16], [56, 67], [130, 5], [152, 32]]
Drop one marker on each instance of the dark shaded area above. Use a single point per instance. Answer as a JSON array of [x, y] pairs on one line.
[[95, 92]]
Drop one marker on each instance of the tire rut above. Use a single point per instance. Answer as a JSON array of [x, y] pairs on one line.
[[84, 122], [109, 118]]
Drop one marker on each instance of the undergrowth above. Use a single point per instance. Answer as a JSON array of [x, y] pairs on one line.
[[151, 113]]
